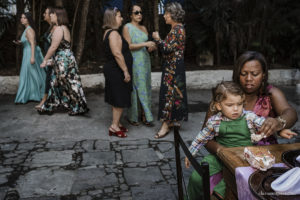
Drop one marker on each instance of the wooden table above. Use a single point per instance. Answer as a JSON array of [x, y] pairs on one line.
[[233, 158]]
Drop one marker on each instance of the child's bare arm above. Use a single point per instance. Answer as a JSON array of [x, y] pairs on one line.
[[287, 133]]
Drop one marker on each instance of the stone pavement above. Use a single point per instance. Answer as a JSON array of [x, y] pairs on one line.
[[62, 157]]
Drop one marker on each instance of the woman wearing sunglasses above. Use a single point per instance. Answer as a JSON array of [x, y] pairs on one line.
[[137, 38], [172, 97]]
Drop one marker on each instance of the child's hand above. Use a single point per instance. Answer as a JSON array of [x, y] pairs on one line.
[[187, 162], [287, 133]]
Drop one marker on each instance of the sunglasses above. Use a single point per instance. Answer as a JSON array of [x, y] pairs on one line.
[[138, 12]]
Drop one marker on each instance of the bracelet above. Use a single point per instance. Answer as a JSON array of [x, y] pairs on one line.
[[282, 122]]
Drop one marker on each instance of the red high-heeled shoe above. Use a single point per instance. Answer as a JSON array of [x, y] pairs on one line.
[[124, 129], [120, 134]]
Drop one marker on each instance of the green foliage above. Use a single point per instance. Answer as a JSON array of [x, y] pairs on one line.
[[228, 28]]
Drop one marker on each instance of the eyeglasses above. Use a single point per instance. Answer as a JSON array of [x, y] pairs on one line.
[[137, 12]]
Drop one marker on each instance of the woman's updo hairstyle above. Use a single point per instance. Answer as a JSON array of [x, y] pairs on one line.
[[176, 11]]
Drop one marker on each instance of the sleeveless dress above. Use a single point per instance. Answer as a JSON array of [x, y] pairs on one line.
[[231, 134], [117, 92], [263, 107], [32, 77], [141, 76], [65, 86], [172, 95]]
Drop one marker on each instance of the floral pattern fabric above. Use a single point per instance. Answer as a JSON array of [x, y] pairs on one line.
[[173, 97], [65, 85]]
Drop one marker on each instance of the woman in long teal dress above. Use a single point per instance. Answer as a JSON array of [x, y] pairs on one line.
[[137, 38], [32, 77]]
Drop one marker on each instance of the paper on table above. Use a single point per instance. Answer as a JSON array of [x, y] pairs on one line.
[[288, 183]]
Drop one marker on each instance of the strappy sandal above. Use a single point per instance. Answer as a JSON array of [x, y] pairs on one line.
[[120, 134], [157, 136], [124, 129], [133, 123], [145, 122], [44, 112]]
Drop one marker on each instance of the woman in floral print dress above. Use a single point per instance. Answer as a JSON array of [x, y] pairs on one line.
[[173, 98], [65, 85]]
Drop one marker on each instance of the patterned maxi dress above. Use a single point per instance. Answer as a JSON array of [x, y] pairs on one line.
[[65, 86], [141, 76], [32, 77], [173, 97]]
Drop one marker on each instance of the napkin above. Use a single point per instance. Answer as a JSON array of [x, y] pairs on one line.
[[288, 183], [298, 159]]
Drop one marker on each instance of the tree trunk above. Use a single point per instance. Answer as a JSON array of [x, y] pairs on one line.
[[156, 28], [59, 3], [33, 11], [40, 17], [97, 31], [74, 21], [80, 46], [19, 27]]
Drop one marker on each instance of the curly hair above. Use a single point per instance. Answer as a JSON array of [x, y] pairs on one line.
[[176, 11], [221, 91]]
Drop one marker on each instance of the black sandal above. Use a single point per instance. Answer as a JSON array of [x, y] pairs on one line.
[[133, 123]]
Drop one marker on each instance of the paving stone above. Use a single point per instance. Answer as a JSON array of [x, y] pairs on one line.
[[60, 145], [5, 169], [124, 187], [157, 192], [3, 178], [125, 198], [84, 198], [139, 155], [108, 190], [142, 176], [95, 192], [52, 158], [102, 145], [11, 161], [167, 172], [8, 147], [165, 146], [41, 198], [98, 158], [133, 142], [93, 179], [45, 182], [88, 145], [10, 155], [26, 146]]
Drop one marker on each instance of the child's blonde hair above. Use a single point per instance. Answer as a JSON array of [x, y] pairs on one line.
[[221, 91]]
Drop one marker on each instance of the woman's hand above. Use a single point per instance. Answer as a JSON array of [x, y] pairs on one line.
[[155, 35], [287, 133], [150, 44], [270, 126], [43, 64], [187, 162], [127, 76], [32, 61], [17, 42]]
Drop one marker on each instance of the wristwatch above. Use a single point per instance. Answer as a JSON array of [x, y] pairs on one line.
[[282, 122]]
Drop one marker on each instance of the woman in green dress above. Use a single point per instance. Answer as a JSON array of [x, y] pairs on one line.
[[32, 77], [137, 38]]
